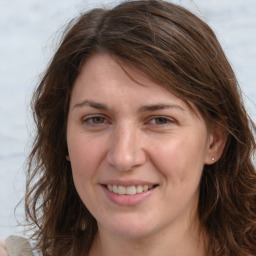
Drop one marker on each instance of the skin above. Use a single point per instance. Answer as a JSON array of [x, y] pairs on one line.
[[3, 251], [121, 131]]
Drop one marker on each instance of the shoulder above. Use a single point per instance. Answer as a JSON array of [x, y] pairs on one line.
[[18, 246]]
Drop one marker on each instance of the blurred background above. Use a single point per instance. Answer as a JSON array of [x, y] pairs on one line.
[[29, 33]]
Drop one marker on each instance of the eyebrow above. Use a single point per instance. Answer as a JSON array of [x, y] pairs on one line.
[[150, 108], [156, 107], [92, 104]]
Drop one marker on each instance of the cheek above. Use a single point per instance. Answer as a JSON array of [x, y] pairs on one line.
[[86, 155], [180, 163], [180, 157], [82, 159]]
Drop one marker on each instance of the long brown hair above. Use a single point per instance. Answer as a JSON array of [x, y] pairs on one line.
[[179, 51]]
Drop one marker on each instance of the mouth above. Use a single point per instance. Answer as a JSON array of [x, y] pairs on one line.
[[129, 190]]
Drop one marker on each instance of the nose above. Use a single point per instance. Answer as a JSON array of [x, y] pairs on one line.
[[126, 151]]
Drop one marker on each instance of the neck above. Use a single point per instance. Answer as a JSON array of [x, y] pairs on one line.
[[180, 241]]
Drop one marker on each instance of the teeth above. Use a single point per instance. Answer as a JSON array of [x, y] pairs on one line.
[[131, 190], [145, 187], [110, 187], [139, 189], [121, 190], [115, 189]]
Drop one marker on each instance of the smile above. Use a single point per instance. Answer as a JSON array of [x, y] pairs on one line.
[[131, 190]]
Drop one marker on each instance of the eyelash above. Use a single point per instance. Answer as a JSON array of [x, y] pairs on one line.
[[90, 120], [167, 120]]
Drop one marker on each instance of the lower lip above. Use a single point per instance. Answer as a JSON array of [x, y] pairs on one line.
[[128, 200]]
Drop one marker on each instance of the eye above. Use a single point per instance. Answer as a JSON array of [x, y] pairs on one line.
[[94, 120], [161, 120]]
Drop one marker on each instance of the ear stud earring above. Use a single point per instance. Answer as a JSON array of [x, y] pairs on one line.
[[213, 158]]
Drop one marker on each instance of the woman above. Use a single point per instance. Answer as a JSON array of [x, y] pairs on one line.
[[143, 144]]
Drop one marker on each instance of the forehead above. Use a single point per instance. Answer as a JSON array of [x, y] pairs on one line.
[[101, 74], [109, 79]]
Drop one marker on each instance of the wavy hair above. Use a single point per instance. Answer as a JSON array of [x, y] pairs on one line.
[[179, 51]]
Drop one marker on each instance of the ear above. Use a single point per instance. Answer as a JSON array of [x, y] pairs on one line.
[[217, 142], [68, 158]]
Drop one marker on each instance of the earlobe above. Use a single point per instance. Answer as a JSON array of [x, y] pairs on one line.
[[217, 143]]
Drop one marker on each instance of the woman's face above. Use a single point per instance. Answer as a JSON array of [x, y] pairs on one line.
[[137, 152]]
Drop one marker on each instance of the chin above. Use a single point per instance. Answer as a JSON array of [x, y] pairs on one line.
[[132, 234], [130, 229]]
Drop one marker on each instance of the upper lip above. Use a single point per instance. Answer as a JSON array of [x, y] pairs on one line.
[[127, 183]]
